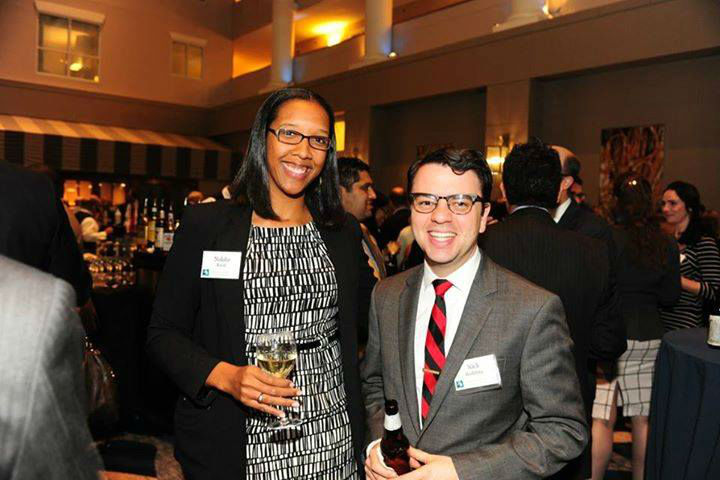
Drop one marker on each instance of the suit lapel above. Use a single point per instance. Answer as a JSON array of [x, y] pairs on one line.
[[233, 236], [475, 314], [407, 311]]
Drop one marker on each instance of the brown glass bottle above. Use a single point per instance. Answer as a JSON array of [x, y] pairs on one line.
[[394, 445]]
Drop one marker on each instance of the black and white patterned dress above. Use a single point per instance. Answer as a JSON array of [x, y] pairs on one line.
[[290, 285]]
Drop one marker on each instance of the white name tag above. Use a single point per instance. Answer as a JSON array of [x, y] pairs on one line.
[[225, 265], [478, 372]]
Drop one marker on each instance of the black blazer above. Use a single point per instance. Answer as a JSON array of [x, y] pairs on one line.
[[584, 221], [35, 230], [575, 268], [643, 289], [197, 323]]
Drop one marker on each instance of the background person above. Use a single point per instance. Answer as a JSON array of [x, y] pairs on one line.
[[648, 276], [574, 267], [699, 258], [43, 411], [34, 228], [296, 264]]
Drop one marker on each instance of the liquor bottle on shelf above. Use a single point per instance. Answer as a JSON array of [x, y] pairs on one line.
[[151, 227], [142, 226], [169, 234], [128, 221], [160, 226], [394, 444]]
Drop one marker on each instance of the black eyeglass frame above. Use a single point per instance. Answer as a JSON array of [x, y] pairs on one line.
[[302, 137], [474, 197]]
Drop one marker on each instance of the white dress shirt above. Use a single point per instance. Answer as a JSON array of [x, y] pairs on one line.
[[455, 299], [560, 210]]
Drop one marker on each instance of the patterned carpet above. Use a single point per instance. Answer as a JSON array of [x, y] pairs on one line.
[[168, 469], [166, 466]]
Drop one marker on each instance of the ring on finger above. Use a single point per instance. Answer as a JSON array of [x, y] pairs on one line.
[[260, 397]]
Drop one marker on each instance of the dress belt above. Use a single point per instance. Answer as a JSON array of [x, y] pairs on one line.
[[335, 335]]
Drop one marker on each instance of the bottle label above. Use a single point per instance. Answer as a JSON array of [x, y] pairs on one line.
[[393, 422], [714, 331], [168, 240]]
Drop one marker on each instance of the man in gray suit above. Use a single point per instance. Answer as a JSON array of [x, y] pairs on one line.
[[43, 429], [478, 358]]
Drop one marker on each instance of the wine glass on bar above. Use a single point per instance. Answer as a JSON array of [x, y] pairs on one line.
[[276, 354]]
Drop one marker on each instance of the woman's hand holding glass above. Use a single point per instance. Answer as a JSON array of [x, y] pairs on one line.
[[246, 384]]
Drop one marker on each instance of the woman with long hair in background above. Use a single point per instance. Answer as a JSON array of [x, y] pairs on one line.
[[648, 276], [699, 258]]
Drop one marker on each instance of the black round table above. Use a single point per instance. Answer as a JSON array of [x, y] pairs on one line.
[[684, 436], [146, 395]]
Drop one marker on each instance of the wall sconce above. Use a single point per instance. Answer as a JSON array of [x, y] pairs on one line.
[[334, 32], [495, 154]]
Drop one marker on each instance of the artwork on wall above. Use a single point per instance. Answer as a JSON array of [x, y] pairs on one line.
[[422, 150], [639, 150]]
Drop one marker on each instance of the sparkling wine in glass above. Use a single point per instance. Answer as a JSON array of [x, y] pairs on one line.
[[276, 354]]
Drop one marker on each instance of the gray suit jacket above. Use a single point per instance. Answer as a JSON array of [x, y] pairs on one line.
[[43, 426], [528, 428]]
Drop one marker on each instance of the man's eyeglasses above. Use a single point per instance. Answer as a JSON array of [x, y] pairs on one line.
[[291, 137], [459, 204]]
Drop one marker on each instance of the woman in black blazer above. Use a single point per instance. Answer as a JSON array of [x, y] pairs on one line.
[[287, 258], [648, 276]]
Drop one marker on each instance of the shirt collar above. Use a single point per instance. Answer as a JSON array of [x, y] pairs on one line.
[[523, 207], [462, 278], [561, 209]]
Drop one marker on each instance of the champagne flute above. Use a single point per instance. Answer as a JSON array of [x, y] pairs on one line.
[[276, 354]]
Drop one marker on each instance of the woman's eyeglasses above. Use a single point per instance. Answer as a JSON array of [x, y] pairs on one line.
[[291, 137]]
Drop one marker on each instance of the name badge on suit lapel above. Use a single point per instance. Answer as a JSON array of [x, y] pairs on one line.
[[478, 372], [220, 265]]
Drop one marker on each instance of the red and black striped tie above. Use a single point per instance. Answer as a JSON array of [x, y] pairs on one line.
[[434, 345]]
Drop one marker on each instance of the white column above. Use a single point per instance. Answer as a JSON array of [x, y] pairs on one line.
[[378, 30], [522, 12], [283, 46]]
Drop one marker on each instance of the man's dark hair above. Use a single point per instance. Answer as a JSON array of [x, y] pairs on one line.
[[349, 169], [460, 161], [322, 196], [532, 175], [571, 167]]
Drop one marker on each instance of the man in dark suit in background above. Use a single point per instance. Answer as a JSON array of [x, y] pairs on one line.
[[570, 265], [572, 216], [34, 228]]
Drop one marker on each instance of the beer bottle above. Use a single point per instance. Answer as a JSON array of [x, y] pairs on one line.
[[394, 444]]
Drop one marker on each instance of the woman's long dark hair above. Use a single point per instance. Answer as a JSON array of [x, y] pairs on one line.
[[691, 198], [634, 214], [322, 196]]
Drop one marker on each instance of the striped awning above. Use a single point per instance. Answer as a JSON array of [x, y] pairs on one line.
[[71, 146]]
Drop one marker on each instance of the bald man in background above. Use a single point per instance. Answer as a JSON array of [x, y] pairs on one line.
[[569, 214]]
